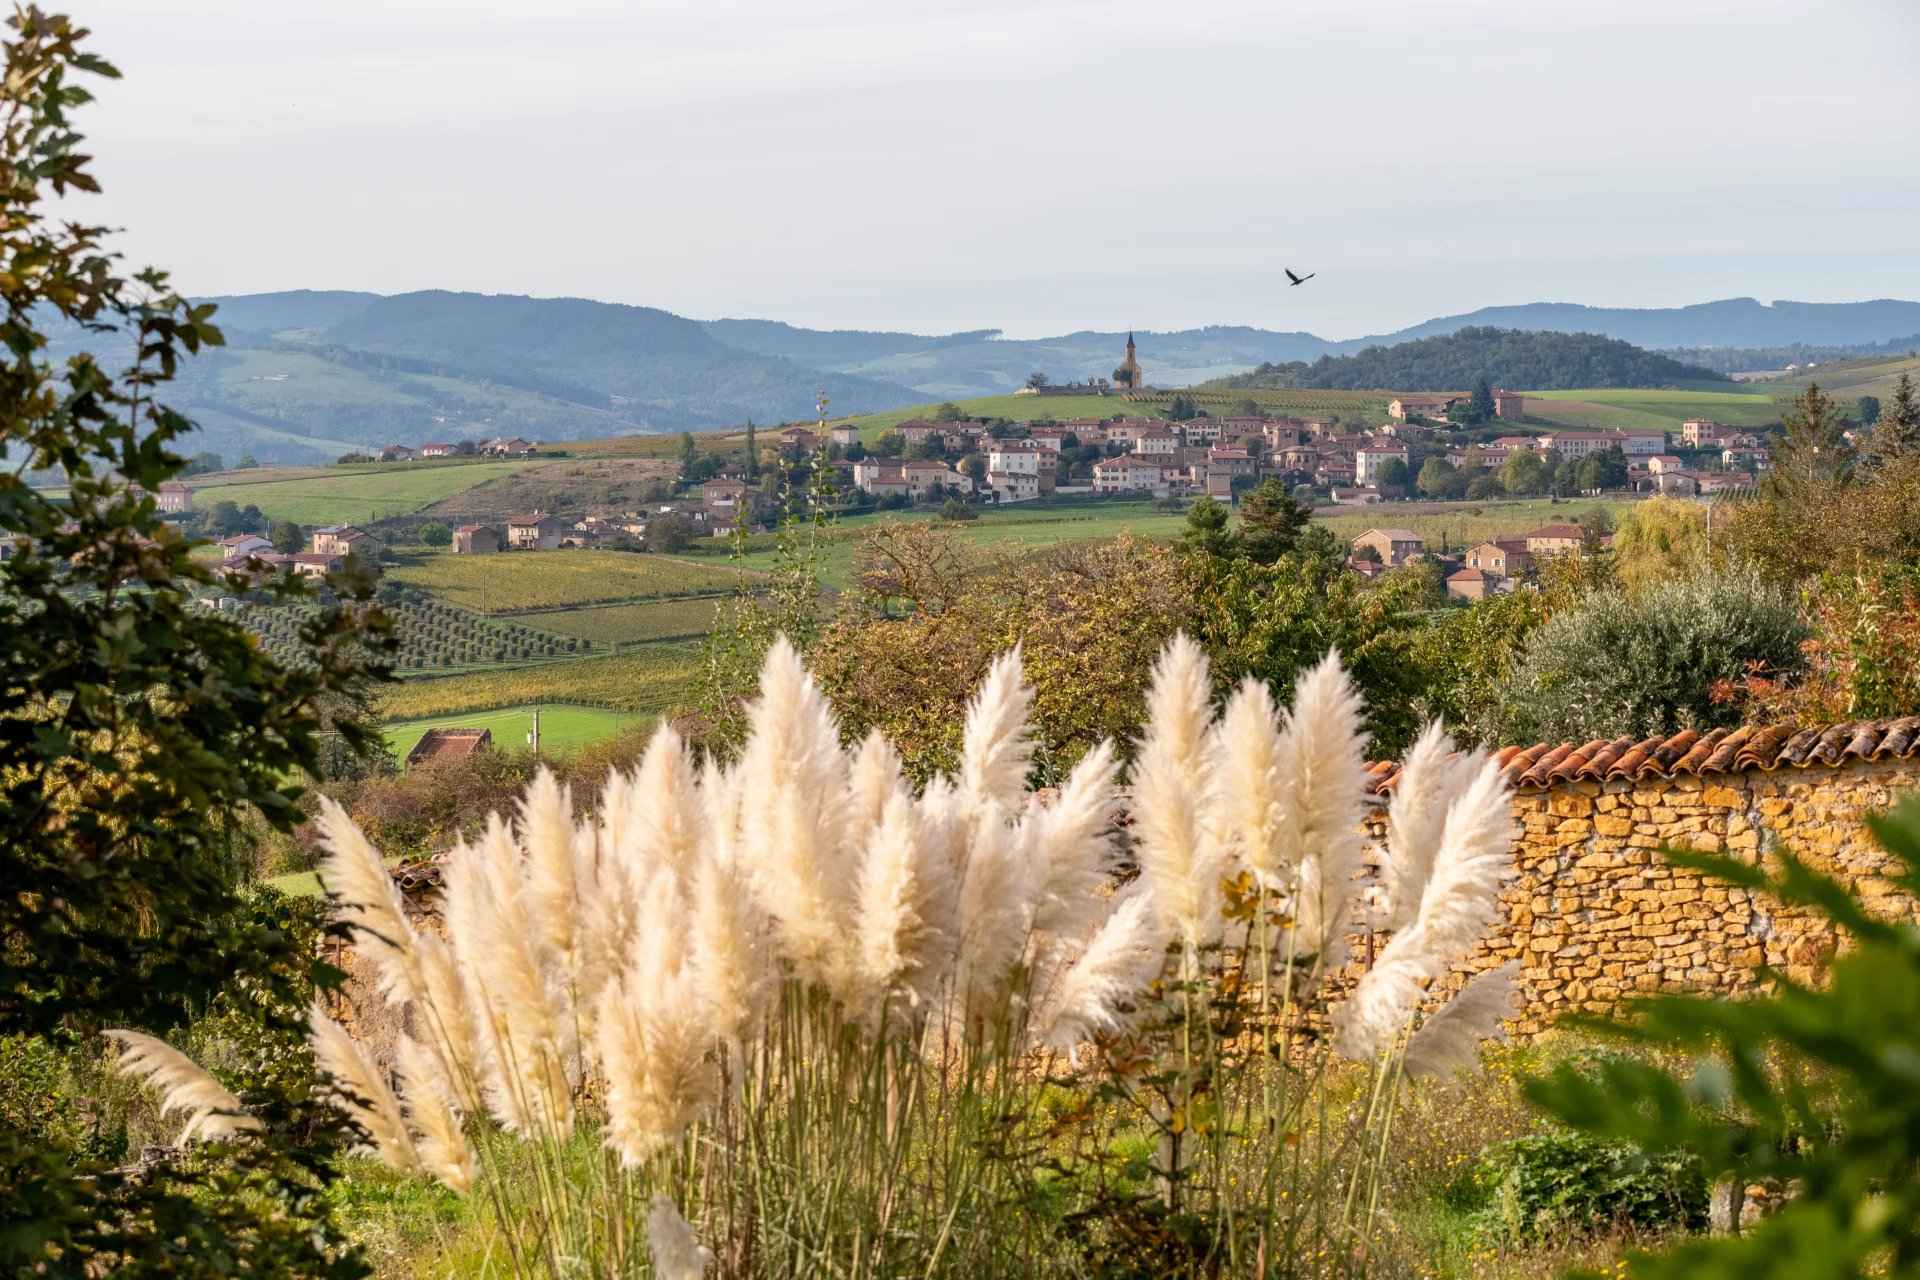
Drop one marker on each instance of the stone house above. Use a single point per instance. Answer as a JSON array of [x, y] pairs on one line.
[[1555, 539], [533, 531], [476, 540], [336, 539], [1132, 473], [1431, 407], [1503, 557], [1395, 546], [1471, 584], [173, 498], [1508, 404]]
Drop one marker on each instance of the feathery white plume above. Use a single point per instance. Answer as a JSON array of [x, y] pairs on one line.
[[1247, 785], [728, 951], [1434, 773], [427, 1096], [1178, 856], [1449, 1042], [1125, 953], [361, 1092], [995, 916], [1460, 901], [875, 779], [1320, 830], [676, 1254], [525, 1042], [213, 1113], [545, 831], [653, 1041], [907, 911], [792, 789], [452, 1033], [1071, 842], [667, 817], [367, 899], [997, 751]]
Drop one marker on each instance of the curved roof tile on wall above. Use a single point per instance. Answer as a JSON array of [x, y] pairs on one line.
[[1691, 752]]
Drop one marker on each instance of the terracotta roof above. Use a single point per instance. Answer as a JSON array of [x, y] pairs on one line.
[[449, 744], [1692, 753]]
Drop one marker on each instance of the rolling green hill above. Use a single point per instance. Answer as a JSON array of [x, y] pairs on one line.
[[1504, 357], [360, 493], [1605, 408]]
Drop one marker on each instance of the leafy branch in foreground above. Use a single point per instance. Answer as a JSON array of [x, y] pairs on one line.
[[1813, 1092]]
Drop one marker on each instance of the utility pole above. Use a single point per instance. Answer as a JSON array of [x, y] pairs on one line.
[[533, 734]]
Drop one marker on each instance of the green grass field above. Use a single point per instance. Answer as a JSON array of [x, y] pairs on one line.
[[543, 579], [335, 495], [630, 623], [648, 681], [1604, 408], [562, 728]]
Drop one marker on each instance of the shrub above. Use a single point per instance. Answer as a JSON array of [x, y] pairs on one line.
[[954, 509], [1544, 1185], [1651, 663], [435, 534]]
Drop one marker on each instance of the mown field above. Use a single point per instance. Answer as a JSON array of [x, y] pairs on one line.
[[646, 681], [561, 484], [629, 623], [562, 728], [335, 495], [1603, 408], [546, 579]]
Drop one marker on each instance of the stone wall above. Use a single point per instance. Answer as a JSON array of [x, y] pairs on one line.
[[1595, 915]]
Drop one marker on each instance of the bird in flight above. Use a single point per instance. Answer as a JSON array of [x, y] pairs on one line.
[[1293, 279]]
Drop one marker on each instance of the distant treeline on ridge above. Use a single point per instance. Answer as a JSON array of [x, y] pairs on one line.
[[1539, 361]]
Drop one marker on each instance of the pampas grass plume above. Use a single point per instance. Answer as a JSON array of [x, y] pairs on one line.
[[213, 1113], [676, 1253], [997, 749], [1449, 1042], [361, 1092], [441, 1143], [1326, 745], [367, 899], [1122, 957], [1434, 773], [1178, 857]]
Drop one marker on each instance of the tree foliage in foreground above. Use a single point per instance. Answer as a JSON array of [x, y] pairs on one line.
[[136, 729], [1811, 1091]]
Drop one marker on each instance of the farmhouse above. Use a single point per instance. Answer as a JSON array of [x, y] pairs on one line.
[[174, 497], [336, 539], [1431, 407], [315, 564], [476, 540], [511, 447], [436, 449], [1395, 546], [1471, 584], [1701, 433], [533, 531], [1508, 404], [844, 434], [1554, 539], [1503, 557], [241, 546]]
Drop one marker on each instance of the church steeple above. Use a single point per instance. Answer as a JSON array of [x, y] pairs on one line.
[[1128, 374]]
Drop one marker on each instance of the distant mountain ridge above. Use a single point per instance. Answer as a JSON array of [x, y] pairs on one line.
[[308, 374]]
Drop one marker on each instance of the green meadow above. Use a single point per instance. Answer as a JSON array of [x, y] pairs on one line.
[[338, 495]]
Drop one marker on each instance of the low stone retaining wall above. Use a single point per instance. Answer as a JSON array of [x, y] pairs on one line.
[[1595, 915]]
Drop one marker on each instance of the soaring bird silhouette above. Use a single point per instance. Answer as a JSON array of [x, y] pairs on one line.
[[1293, 279]]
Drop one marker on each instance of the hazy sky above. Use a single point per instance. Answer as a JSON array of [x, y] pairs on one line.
[[1031, 165]]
